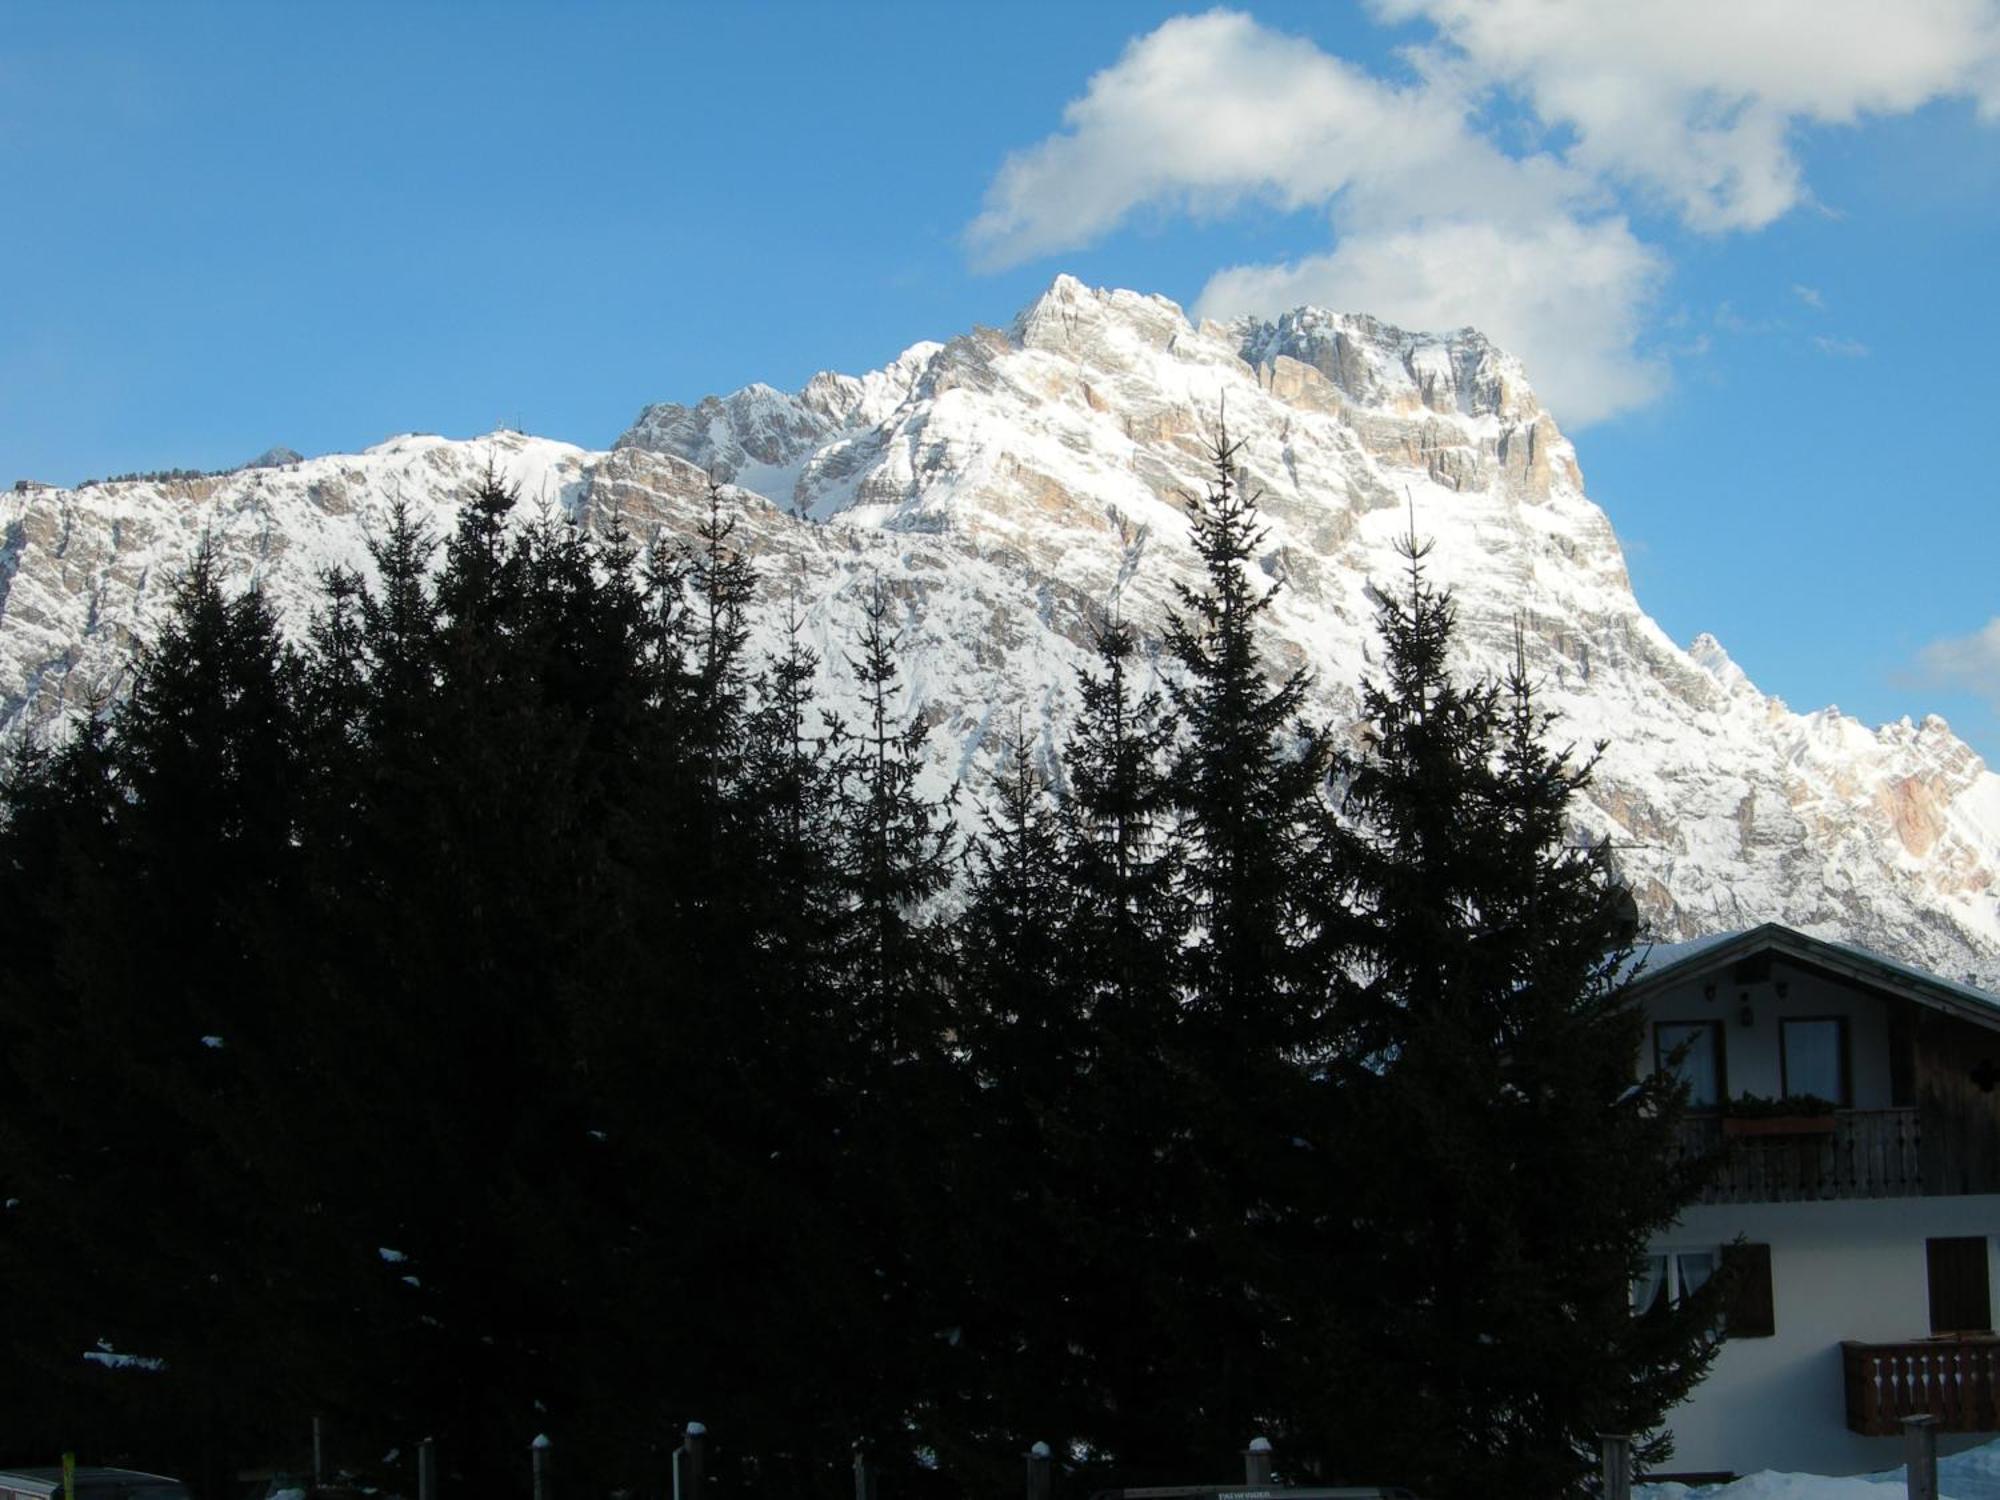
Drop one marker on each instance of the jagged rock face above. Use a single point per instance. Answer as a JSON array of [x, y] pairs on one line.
[[1010, 487]]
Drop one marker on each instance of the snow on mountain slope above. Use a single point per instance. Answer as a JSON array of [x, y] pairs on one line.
[[1008, 487]]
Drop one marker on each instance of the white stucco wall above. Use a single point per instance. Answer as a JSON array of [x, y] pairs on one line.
[[1839, 1270], [1750, 1053]]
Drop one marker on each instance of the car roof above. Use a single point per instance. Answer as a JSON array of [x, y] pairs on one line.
[[91, 1474]]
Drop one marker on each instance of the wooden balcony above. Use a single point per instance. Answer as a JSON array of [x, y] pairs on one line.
[[1869, 1153], [1956, 1380]]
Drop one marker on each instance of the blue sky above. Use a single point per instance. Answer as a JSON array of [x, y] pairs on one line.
[[1746, 250]]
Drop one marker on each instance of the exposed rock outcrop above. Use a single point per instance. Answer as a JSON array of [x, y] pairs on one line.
[[1009, 487]]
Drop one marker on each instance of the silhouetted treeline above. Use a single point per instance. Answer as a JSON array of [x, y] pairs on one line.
[[517, 1008], [152, 476]]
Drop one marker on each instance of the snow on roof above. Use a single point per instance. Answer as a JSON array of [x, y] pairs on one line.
[[1654, 959], [1654, 965]]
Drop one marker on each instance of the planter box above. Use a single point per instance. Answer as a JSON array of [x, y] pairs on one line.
[[1777, 1125]]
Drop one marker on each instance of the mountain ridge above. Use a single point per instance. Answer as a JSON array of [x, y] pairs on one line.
[[1009, 486]]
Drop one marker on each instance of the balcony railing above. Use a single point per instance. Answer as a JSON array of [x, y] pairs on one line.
[[1869, 1153], [1952, 1379]]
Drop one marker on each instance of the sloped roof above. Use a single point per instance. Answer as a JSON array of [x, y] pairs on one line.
[[1674, 963]]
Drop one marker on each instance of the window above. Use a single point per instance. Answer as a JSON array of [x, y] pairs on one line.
[[1812, 1057], [1752, 1312], [1670, 1276], [1693, 1051], [1673, 1275], [1959, 1296]]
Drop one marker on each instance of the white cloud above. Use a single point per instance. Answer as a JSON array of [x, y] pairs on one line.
[[1839, 348], [1968, 663], [1689, 106], [1435, 225], [1695, 101], [1567, 298], [1208, 111], [1810, 295]]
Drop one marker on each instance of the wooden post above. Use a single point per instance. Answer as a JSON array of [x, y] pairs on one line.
[[1040, 1476], [1257, 1463], [1920, 1456], [319, 1453], [427, 1470], [540, 1448], [1617, 1465], [688, 1462], [864, 1475]]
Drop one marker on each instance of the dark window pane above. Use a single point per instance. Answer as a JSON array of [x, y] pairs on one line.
[[1700, 1065], [1815, 1058], [1692, 1268], [1753, 1311], [1650, 1290], [1959, 1299]]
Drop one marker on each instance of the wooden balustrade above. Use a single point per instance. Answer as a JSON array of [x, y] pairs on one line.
[[1870, 1153], [1954, 1379]]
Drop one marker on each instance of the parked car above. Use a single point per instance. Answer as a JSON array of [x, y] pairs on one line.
[[91, 1484]]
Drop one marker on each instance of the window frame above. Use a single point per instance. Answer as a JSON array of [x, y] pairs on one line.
[[1673, 1285], [1721, 1035], [1845, 1099]]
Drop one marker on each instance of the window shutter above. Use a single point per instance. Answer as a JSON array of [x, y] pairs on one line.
[[1959, 1295], [1752, 1312]]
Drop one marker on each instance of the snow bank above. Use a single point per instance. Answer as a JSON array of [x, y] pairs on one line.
[[1972, 1475]]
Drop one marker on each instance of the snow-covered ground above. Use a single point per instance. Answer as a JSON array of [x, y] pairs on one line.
[[1972, 1475]]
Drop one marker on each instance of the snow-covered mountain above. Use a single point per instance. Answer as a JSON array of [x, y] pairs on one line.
[[1010, 486]]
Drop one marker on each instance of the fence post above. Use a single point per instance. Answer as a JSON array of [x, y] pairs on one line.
[[1617, 1465], [1920, 1456], [1040, 1486], [688, 1463], [540, 1448], [427, 1470], [1257, 1463], [864, 1475]]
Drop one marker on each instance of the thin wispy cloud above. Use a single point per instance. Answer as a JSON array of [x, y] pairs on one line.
[[1839, 348], [1687, 110], [1727, 319], [1965, 663], [1810, 295]]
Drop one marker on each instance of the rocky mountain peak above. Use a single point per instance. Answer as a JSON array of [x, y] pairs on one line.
[[1008, 487], [1378, 364], [1071, 318], [1707, 653]]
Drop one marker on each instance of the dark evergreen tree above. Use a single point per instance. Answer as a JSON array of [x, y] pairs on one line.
[[790, 786], [1122, 859], [1247, 778], [1262, 875], [891, 982], [1513, 1173], [1078, 1223], [58, 852], [145, 1057], [1009, 1186], [1130, 1125], [896, 851], [463, 876], [723, 583]]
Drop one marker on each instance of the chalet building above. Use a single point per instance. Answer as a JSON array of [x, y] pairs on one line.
[[1851, 1104]]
